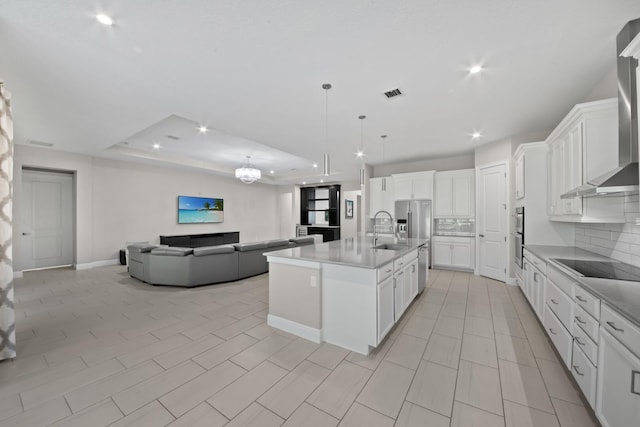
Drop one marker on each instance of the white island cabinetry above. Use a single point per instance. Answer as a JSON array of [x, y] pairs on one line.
[[345, 292]]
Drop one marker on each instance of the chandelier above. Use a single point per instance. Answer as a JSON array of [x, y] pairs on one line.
[[247, 173]]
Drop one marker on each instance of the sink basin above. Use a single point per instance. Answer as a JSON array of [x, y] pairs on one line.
[[392, 247]]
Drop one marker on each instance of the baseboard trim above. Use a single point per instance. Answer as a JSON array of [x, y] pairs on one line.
[[102, 263], [295, 328], [511, 281]]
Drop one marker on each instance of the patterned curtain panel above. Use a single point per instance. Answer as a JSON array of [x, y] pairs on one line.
[[7, 314]]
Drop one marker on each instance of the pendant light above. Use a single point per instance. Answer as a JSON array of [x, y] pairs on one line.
[[327, 166], [360, 152], [247, 173]]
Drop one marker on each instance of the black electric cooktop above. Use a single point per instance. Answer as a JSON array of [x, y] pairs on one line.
[[602, 269]]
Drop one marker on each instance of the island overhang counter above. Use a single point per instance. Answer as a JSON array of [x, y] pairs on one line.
[[348, 292]]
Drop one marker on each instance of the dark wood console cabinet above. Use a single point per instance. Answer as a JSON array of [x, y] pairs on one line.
[[199, 240]]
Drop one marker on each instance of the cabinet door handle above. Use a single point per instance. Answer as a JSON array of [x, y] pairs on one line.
[[579, 320], [580, 343], [414, 268], [614, 327], [388, 271], [535, 275], [481, 235], [553, 301], [575, 368], [635, 381], [552, 331], [579, 298]]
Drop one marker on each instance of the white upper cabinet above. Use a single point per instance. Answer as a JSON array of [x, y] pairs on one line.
[[381, 195], [583, 147], [415, 185], [455, 194]]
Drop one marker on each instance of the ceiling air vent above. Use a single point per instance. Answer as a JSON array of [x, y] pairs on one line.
[[175, 138], [392, 93], [40, 143]]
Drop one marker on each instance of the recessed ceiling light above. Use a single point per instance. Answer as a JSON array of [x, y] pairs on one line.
[[156, 146], [272, 172], [203, 129], [304, 182], [475, 135], [322, 180], [104, 19], [315, 165], [475, 69], [359, 154]]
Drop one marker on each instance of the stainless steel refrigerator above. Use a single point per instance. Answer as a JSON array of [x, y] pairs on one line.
[[413, 220]]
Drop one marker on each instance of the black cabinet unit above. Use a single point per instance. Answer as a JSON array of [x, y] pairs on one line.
[[328, 233], [199, 240], [320, 205]]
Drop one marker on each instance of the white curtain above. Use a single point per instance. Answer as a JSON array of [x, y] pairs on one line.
[[7, 313]]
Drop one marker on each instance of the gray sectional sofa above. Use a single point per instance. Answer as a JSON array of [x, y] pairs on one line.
[[188, 267]]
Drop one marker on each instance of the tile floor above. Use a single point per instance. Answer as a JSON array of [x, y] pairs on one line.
[[99, 348]]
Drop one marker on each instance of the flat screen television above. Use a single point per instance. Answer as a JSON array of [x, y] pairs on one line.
[[199, 210]]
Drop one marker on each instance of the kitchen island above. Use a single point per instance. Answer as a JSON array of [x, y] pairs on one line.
[[348, 292]]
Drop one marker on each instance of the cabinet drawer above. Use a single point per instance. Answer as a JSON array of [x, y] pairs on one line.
[[385, 271], [621, 328], [560, 304], [586, 344], [398, 263], [564, 282], [587, 301], [585, 322], [560, 337], [585, 374], [537, 262], [410, 257]]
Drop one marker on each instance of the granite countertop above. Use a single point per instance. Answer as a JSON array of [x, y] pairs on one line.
[[352, 251], [622, 296]]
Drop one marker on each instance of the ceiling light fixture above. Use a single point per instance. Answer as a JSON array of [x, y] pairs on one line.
[[304, 182], [321, 181], [247, 173], [360, 152], [475, 69], [315, 165], [203, 129], [104, 19], [327, 167], [156, 146], [272, 172], [384, 138], [476, 135]]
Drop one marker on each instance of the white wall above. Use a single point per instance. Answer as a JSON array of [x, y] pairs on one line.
[[464, 161], [123, 201], [493, 152], [349, 226]]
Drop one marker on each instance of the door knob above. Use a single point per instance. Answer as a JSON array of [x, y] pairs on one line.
[[481, 235], [26, 234]]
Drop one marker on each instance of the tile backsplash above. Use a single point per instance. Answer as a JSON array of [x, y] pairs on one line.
[[617, 241]]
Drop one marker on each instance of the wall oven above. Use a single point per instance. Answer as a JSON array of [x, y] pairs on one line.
[[519, 236]]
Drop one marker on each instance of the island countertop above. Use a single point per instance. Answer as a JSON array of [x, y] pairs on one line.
[[352, 251]]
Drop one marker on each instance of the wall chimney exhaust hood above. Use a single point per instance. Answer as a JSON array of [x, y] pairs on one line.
[[624, 179]]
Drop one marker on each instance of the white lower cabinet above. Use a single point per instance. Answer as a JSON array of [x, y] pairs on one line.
[[454, 252], [585, 374], [561, 338], [386, 316], [398, 292], [618, 395]]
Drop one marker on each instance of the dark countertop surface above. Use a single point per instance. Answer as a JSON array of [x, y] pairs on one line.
[[622, 296]]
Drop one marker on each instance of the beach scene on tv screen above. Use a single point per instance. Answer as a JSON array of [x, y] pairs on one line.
[[199, 209]]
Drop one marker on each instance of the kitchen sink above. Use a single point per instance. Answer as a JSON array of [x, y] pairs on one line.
[[392, 247]]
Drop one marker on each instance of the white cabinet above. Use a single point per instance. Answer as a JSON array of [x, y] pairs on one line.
[[618, 385], [410, 282], [381, 195], [415, 185], [519, 161], [398, 291], [455, 194], [454, 252], [386, 317], [580, 150]]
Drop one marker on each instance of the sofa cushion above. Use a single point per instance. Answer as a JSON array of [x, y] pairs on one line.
[[303, 240], [210, 250], [277, 242], [172, 251], [244, 247], [141, 248]]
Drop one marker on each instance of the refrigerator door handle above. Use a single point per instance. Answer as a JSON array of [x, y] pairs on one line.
[[410, 224]]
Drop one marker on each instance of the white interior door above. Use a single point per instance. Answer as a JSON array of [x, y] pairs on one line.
[[46, 226], [492, 222]]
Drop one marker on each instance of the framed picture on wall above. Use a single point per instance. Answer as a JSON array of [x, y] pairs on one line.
[[348, 211]]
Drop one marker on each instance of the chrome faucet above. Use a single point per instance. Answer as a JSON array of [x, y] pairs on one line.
[[375, 232]]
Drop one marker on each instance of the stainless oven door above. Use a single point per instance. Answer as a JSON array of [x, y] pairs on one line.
[[519, 223], [517, 246]]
